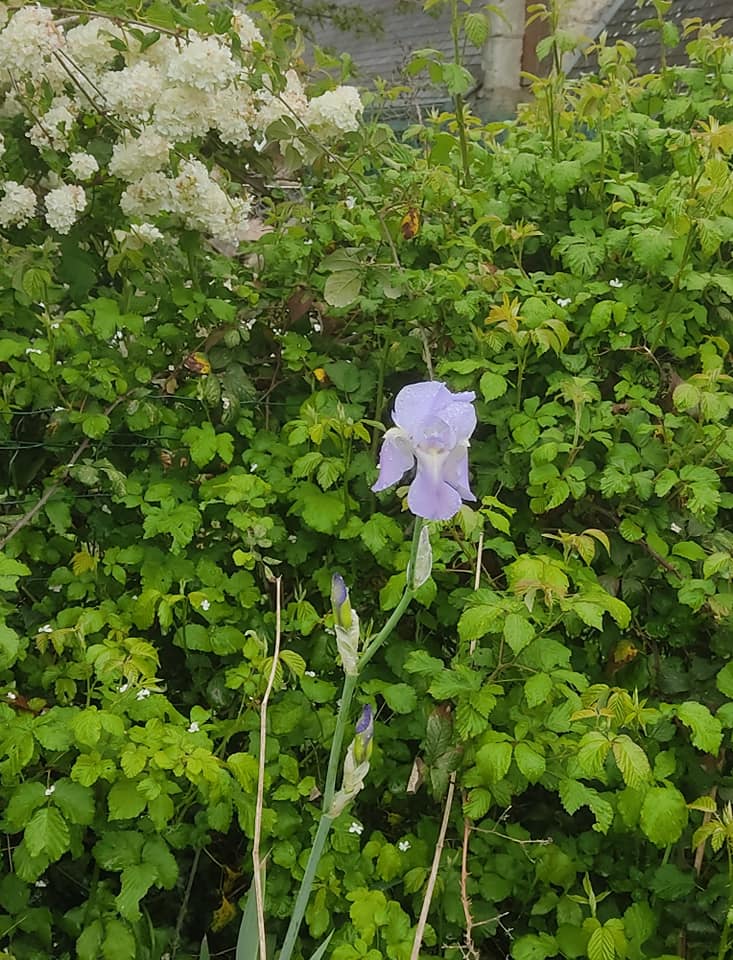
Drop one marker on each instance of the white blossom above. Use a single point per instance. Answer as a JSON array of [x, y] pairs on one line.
[[83, 165], [403, 846], [182, 114], [335, 110], [46, 628], [615, 283], [88, 44], [146, 232], [564, 301], [291, 102], [123, 688], [54, 127], [142, 694], [133, 157], [28, 40], [233, 112], [193, 727], [247, 32], [203, 63], [356, 828], [205, 604], [63, 206], [132, 93], [50, 790]]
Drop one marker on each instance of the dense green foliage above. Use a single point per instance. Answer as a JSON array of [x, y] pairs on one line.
[[202, 423]]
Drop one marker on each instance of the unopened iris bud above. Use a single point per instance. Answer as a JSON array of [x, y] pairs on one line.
[[423, 560], [340, 602], [364, 735]]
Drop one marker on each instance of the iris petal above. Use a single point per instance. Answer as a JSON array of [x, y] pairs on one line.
[[395, 459], [429, 495]]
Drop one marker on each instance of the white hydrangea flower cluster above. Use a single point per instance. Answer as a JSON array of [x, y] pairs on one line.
[[18, 206], [83, 165], [63, 204], [335, 110], [164, 96]]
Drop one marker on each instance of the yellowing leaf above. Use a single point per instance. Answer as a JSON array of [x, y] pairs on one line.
[[83, 562], [223, 915]]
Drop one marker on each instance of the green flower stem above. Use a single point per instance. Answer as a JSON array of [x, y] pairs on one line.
[[301, 901], [401, 606], [347, 694], [342, 717]]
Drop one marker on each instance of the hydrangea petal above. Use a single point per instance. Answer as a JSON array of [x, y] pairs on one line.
[[395, 459]]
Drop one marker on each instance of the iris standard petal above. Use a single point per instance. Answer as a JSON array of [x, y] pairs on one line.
[[414, 404], [429, 495], [459, 414], [395, 459]]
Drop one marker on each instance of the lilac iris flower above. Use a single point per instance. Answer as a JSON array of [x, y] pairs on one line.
[[432, 430]]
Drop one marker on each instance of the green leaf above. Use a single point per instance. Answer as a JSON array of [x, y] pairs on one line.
[[724, 680], [47, 833], [95, 425], [136, 881], [124, 800], [518, 632], [75, 801], [10, 571], [202, 442], [342, 288], [493, 386], [321, 511], [400, 697], [24, 799], [89, 944], [119, 941], [493, 760], [478, 803], [534, 946], [529, 760], [601, 945], [537, 689], [706, 730], [663, 815], [631, 761], [248, 944]]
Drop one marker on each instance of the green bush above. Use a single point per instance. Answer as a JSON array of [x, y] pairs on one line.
[[180, 425]]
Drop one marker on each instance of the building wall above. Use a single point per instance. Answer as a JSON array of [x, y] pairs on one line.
[[511, 50]]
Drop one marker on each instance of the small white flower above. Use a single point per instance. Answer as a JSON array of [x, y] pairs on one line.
[[56, 587], [403, 846], [675, 528], [292, 538], [307, 243], [124, 687], [11, 696], [350, 202], [260, 145], [194, 727], [310, 673], [46, 628], [83, 165], [142, 694], [356, 828], [105, 508], [615, 283], [205, 604], [40, 884], [564, 301], [253, 467], [225, 403], [32, 350], [49, 790]]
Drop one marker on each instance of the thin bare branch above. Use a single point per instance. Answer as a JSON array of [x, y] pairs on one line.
[[427, 899]]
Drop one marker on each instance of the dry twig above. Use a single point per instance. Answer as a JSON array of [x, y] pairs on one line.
[[427, 899], [256, 858]]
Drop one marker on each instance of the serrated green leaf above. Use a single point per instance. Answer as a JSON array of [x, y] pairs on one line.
[[530, 761], [631, 761], [47, 833], [705, 729], [663, 815], [342, 288]]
